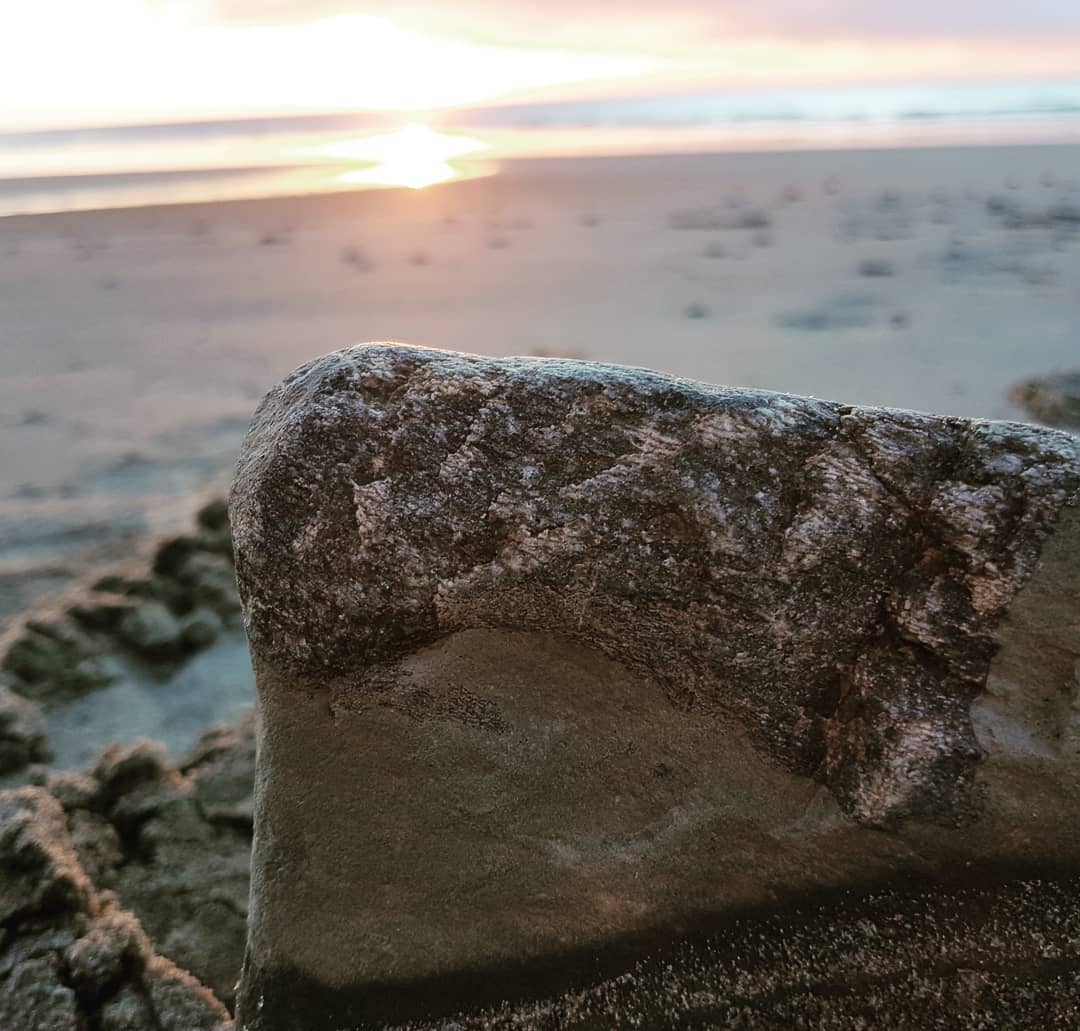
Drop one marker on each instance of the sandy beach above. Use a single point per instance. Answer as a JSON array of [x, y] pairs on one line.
[[539, 517], [137, 342]]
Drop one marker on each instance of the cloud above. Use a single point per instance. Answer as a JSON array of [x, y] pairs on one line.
[[545, 21], [271, 12], [908, 19], [162, 59]]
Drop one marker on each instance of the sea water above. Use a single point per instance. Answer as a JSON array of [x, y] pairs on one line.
[[59, 169]]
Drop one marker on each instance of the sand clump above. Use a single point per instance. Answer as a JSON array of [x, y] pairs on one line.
[[115, 881], [70, 956], [1053, 399], [172, 842], [22, 731], [153, 619]]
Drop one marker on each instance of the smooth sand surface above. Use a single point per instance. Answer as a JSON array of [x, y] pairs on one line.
[[136, 343]]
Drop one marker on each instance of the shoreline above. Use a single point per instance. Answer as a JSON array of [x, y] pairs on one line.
[[507, 167]]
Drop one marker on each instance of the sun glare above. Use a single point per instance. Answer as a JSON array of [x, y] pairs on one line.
[[339, 63], [413, 156]]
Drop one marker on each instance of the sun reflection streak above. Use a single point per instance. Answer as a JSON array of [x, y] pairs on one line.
[[413, 156]]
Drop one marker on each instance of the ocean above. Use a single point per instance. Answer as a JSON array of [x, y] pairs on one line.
[[123, 166]]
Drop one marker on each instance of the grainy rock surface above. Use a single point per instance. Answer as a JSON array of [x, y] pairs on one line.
[[556, 658], [70, 957], [830, 575]]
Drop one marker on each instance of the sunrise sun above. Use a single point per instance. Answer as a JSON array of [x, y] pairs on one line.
[[413, 156]]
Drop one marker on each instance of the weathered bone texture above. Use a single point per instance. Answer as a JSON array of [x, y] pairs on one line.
[[552, 654]]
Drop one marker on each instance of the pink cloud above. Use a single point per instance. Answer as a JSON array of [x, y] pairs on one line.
[[544, 20]]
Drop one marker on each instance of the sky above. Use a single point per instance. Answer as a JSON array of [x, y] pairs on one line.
[[96, 62]]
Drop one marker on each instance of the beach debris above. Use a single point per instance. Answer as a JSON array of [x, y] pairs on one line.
[[842, 312], [1024, 260], [697, 310], [876, 268], [702, 219], [555, 588], [1053, 399], [755, 218], [889, 200], [1000, 206], [357, 258], [714, 218], [1061, 216]]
